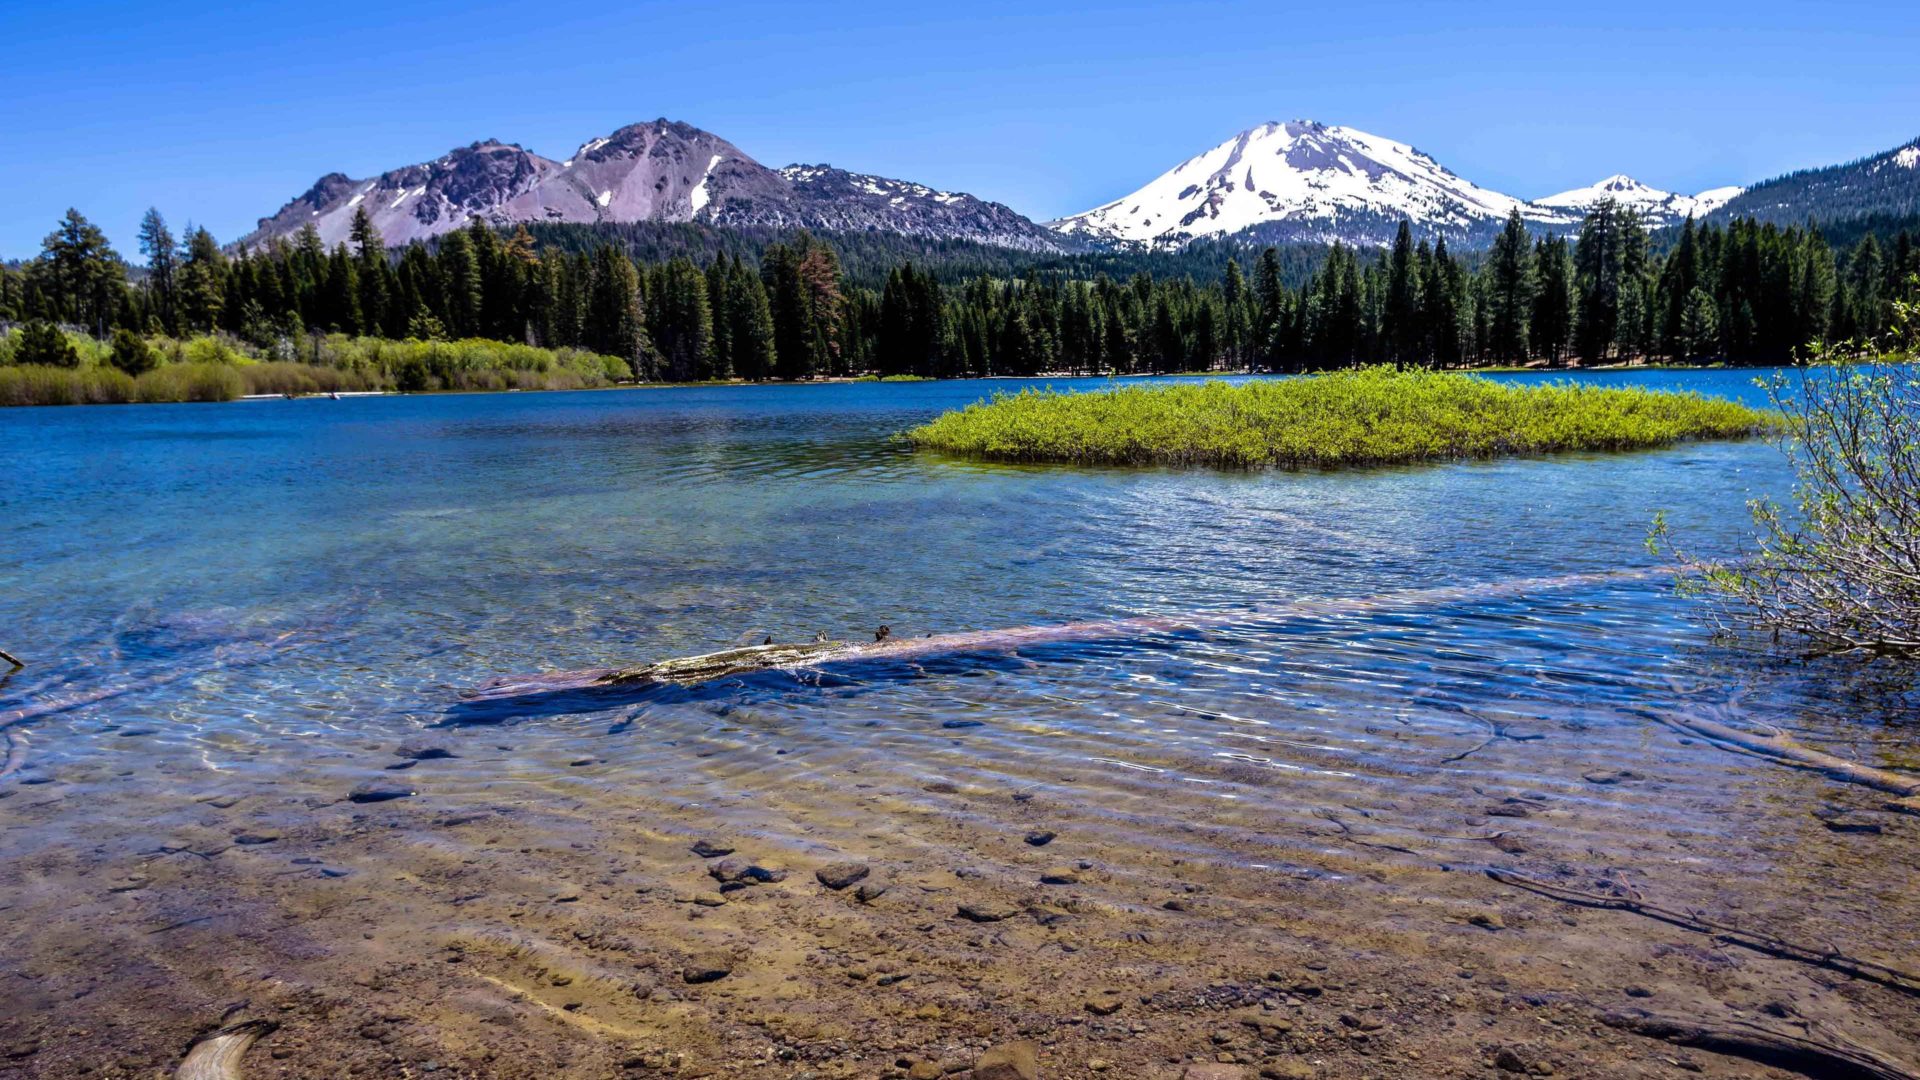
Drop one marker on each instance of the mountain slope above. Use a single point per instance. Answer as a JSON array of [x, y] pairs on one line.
[[1304, 181], [664, 171], [1886, 184], [1656, 208]]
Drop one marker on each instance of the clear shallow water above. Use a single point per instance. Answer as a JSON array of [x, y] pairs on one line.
[[415, 547]]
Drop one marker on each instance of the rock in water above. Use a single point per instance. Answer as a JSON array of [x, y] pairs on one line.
[[987, 911], [707, 967], [375, 791], [839, 875], [423, 752], [1009, 1061], [711, 849]]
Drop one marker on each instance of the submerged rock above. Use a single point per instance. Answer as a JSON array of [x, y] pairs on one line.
[[423, 752], [839, 875], [707, 967], [1009, 1061], [711, 849], [987, 911], [376, 791], [739, 872]]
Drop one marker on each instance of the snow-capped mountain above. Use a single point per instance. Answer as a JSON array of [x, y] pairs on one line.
[[1656, 208], [661, 171], [1304, 181]]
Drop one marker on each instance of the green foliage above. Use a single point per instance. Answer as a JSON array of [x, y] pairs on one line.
[[217, 368], [131, 353], [43, 344], [1374, 415], [1837, 569]]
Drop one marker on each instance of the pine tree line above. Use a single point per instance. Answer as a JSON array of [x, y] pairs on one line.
[[1745, 293]]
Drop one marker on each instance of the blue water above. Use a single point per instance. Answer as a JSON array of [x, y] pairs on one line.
[[266, 581]]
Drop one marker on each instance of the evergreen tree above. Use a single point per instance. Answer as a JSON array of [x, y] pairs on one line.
[[86, 280], [202, 282], [1510, 290], [157, 244]]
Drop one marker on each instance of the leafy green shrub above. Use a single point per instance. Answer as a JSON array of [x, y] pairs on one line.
[[45, 345], [1368, 416], [131, 353], [1841, 568]]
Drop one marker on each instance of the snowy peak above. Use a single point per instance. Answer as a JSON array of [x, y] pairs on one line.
[[1655, 207], [1300, 180], [659, 171]]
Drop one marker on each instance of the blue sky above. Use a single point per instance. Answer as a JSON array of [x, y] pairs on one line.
[[219, 115]]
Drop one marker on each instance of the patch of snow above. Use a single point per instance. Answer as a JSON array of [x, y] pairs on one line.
[[1908, 158], [700, 195], [604, 198], [355, 201], [591, 147]]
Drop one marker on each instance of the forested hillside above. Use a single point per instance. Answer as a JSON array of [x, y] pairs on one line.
[[703, 304]]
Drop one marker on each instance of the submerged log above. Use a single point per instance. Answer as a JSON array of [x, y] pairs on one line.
[[1819, 1052], [1784, 750], [217, 1057], [693, 670]]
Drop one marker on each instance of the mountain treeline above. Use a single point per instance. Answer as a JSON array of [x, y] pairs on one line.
[[1743, 293]]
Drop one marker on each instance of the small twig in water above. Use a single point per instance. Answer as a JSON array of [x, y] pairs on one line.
[[11, 659], [1830, 958]]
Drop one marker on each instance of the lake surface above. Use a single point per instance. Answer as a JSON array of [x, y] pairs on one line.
[[1368, 681], [416, 546]]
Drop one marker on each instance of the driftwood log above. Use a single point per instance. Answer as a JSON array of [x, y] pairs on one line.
[[11, 659], [1782, 749], [1819, 1052], [692, 670]]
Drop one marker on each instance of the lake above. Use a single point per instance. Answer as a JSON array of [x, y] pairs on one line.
[[261, 600]]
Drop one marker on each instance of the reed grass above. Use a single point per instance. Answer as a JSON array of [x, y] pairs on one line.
[[1369, 416]]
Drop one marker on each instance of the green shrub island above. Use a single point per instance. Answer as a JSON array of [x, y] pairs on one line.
[[1369, 416]]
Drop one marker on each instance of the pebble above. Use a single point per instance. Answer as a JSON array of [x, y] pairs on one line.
[[423, 752], [1059, 876], [1611, 776], [740, 872], [1105, 1003], [374, 792], [987, 911], [711, 849], [1009, 1061], [247, 839], [870, 890], [1040, 837], [1488, 920], [707, 967], [955, 725], [839, 875]]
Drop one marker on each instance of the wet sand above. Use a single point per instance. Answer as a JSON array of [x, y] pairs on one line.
[[535, 911]]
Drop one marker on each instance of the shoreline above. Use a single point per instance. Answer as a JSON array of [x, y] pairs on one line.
[[863, 380]]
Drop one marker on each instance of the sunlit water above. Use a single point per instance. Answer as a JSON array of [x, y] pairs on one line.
[[415, 547]]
